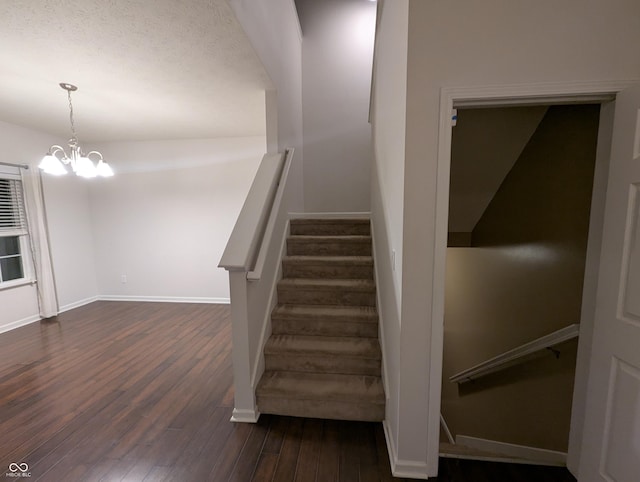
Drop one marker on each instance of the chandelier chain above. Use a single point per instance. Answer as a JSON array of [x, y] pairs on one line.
[[56, 159], [73, 127]]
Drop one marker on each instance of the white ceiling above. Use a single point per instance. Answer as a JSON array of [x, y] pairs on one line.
[[145, 69]]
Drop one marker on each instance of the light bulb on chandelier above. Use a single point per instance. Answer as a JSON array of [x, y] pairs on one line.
[[56, 159]]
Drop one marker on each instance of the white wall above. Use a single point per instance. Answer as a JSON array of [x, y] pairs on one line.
[[69, 230], [387, 186], [476, 44], [274, 31], [164, 219], [337, 54], [71, 237]]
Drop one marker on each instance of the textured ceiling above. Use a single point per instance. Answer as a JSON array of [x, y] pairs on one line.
[[145, 69]]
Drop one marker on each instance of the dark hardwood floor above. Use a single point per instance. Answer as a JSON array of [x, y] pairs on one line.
[[143, 392]]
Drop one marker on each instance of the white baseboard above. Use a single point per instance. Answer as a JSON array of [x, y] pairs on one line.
[[166, 299], [77, 304], [333, 215], [403, 468], [17, 324], [245, 416], [521, 452]]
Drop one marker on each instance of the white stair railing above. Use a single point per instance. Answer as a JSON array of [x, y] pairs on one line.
[[517, 355], [252, 259]]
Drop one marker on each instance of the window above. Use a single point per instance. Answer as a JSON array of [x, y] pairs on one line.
[[13, 229]]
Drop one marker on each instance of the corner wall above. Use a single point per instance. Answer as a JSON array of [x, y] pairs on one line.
[[274, 31]]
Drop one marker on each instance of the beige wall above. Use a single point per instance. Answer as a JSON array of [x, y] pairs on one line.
[[523, 279]]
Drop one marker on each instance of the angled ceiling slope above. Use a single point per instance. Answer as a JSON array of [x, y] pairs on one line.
[[486, 144], [145, 69]]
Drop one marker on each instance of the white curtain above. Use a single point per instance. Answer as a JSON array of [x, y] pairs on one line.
[[39, 237]]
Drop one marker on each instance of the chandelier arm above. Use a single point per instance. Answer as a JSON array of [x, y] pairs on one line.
[[53, 150], [97, 153]]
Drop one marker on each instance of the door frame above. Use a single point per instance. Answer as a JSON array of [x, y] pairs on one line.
[[499, 96]]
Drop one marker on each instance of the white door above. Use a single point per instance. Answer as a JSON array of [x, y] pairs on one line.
[[611, 438]]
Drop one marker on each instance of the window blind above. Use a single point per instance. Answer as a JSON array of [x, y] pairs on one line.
[[12, 214]]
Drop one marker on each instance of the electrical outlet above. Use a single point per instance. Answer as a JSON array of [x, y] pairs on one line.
[[123, 278]]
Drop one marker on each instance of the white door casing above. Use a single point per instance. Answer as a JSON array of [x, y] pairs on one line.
[[494, 96], [611, 437]]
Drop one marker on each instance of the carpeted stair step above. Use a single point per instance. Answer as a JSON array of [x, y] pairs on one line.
[[330, 227], [329, 245], [323, 354], [325, 320], [307, 291], [332, 396], [343, 267]]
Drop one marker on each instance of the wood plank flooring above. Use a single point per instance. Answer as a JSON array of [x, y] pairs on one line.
[[143, 392]]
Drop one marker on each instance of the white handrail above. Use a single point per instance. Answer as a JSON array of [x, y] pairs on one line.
[[256, 273], [242, 248], [517, 355], [447, 431]]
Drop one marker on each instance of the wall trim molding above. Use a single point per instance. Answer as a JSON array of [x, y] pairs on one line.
[[17, 324], [522, 453], [332, 215], [77, 304], [165, 299], [399, 467], [244, 416]]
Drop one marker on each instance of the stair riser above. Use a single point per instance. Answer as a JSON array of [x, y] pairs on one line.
[[300, 270], [366, 412], [325, 297], [322, 364], [330, 229], [319, 248], [324, 328]]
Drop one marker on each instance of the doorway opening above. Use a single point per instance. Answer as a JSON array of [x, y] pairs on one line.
[[520, 198]]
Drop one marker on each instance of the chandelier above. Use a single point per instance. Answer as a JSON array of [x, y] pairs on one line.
[[56, 159]]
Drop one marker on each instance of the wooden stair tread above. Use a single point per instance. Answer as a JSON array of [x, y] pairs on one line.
[[459, 451], [341, 260], [328, 284], [330, 346], [346, 221], [321, 386], [333, 238], [359, 314]]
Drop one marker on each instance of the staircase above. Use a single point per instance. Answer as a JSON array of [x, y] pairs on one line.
[[323, 358]]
